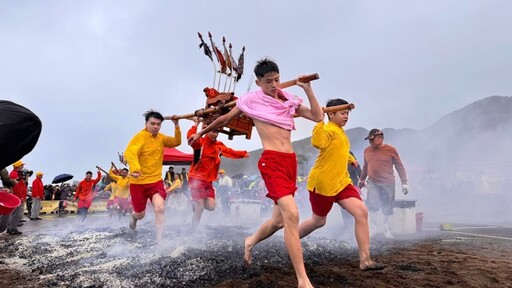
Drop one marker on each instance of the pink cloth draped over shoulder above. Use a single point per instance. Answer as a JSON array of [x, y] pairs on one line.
[[259, 106]]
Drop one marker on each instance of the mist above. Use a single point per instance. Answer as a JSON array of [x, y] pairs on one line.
[[458, 167]]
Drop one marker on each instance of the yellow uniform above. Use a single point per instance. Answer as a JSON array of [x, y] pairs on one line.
[[330, 175], [123, 185], [145, 155], [112, 187]]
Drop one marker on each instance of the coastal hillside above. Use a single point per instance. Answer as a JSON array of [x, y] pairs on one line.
[[475, 137]]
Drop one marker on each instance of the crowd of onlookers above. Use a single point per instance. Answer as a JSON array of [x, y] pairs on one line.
[[228, 189]]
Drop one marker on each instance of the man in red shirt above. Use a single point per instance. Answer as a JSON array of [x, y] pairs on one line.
[[379, 160], [37, 196], [19, 190], [203, 172], [84, 193]]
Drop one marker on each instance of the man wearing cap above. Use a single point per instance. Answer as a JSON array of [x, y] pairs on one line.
[[379, 160], [19, 190], [225, 184], [7, 183], [37, 196]]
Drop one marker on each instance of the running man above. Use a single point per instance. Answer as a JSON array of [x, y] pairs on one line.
[[203, 172], [272, 110], [85, 194], [121, 201], [329, 182], [144, 156]]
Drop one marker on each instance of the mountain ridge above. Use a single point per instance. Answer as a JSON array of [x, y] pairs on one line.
[[476, 133]]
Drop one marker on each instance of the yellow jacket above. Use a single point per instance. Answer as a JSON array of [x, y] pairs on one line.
[[330, 175], [174, 185], [112, 187], [145, 155], [123, 185]]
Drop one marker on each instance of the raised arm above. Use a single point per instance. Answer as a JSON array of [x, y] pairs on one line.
[[217, 123], [176, 140], [315, 112]]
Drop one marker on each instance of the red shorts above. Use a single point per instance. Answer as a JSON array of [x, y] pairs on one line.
[[109, 204], [140, 194], [321, 205], [85, 203], [200, 189], [123, 203], [279, 171]]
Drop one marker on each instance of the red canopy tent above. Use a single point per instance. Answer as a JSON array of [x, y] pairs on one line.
[[173, 156]]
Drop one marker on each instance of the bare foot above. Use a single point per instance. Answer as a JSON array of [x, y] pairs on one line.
[[247, 252], [133, 224], [371, 266], [305, 284]]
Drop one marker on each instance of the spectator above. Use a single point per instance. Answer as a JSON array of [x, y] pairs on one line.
[[65, 192], [56, 192], [48, 192], [19, 190], [379, 160], [170, 175], [37, 196], [224, 192], [184, 181], [7, 183]]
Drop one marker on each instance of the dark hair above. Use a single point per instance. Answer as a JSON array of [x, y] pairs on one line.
[[125, 169], [265, 66], [88, 172], [154, 114], [335, 102]]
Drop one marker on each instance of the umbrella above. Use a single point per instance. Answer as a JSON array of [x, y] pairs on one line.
[[62, 178], [18, 125]]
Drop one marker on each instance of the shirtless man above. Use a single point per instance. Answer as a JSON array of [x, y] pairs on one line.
[[272, 110]]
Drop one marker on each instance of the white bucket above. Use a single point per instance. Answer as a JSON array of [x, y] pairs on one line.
[[404, 217], [245, 210]]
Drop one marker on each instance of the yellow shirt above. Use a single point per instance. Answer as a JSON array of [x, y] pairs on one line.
[[112, 187], [174, 185], [123, 185], [145, 155], [330, 175]]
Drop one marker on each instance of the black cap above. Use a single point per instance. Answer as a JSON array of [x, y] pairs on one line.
[[374, 132]]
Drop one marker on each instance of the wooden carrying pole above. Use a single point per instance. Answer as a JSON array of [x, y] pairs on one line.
[[203, 112], [102, 170], [349, 106]]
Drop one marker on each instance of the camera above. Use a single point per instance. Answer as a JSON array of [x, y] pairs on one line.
[[26, 172]]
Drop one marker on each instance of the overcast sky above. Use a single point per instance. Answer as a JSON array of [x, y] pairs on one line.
[[89, 69]]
